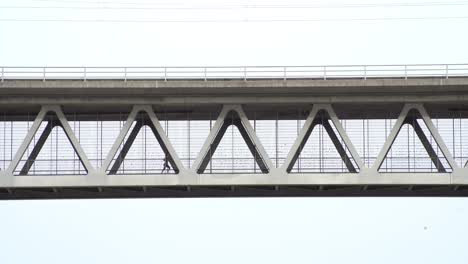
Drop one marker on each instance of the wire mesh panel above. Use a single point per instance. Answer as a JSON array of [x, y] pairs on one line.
[[368, 136], [199, 131], [187, 131], [278, 132], [287, 132], [96, 133], [454, 132], [178, 133], [266, 132], [13, 129]]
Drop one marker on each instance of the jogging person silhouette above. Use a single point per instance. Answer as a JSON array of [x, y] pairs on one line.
[[166, 165]]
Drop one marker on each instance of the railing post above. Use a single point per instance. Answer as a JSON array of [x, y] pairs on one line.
[[43, 74], [284, 73], [406, 72], [84, 74], [125, 73], [324, 72], [245, 73], [165, 73], [365, 72], [3, 73], [446, 71], [205, 73]]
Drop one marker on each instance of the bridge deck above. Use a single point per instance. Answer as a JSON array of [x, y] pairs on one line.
[[26, 105]]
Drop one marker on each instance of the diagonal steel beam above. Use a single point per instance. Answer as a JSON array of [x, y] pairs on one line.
[[120, 138], [253, 138], [427, 145], [27, 140], [301, 140], [391, 138], [126, 147], [163, 140], [206, 147], [72, 138], [251, 145], [37, 148], [435, 134], [302, 144], [336, 142], [344, 136], [175, 166], [212, 148]]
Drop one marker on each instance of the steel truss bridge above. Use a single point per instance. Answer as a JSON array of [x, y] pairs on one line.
[[358, 130]]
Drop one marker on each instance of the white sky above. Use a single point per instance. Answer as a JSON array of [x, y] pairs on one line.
[[358, 230], [232, 43]]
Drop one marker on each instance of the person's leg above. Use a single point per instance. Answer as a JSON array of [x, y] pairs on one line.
[[165, 167]]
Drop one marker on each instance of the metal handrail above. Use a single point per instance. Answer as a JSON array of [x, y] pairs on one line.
[[325, 72]]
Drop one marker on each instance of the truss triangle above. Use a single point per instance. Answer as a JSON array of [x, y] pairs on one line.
[[160, 157], [324, 115], [232, 115], [415, 116], [54, 120]]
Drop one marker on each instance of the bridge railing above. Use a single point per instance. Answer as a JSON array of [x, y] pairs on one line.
[[237, 72]]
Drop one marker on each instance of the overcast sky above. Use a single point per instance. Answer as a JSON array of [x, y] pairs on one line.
[[332, 230]]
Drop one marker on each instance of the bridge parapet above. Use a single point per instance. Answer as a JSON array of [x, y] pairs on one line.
[[237, 72]]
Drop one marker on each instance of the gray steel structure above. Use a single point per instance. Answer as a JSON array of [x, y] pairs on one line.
[[324, 100]]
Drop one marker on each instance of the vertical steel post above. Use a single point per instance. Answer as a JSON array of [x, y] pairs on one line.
[[188, 140], [276, 138]]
